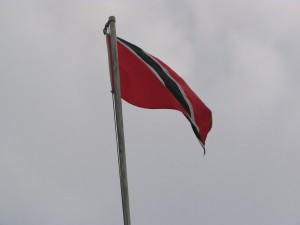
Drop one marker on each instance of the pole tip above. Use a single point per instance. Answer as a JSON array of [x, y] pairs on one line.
[[112, 18]]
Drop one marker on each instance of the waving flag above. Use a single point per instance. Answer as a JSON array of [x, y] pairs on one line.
[[147, 82]]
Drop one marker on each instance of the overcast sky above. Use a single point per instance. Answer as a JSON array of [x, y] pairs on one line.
[[58, 158]]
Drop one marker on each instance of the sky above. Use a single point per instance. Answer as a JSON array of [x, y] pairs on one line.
[[58, 157]]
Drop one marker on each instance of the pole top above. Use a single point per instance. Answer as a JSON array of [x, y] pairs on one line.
[[110, 19]]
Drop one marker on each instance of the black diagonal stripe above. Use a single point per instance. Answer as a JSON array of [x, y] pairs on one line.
[[196, 132], [170, 84], [195, 129]]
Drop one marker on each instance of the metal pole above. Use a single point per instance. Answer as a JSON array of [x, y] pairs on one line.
[[119, 121]]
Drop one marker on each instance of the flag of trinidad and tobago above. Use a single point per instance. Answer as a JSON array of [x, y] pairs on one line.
[[147, 82]]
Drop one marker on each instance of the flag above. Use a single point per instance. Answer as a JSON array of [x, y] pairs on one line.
[[148, 82]]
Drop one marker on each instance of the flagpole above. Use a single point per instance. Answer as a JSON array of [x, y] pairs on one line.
[[119, 120]]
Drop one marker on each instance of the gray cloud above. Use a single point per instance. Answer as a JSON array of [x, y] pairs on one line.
[[58, 161]]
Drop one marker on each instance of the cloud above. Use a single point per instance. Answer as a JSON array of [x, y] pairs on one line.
[[57, 150]]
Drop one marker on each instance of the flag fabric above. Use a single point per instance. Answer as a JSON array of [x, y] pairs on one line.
[[148, 82]]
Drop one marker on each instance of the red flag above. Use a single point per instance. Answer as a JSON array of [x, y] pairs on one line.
[[148, 82]]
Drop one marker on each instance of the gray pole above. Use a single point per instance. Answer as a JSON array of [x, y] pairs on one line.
[[119, 121]]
